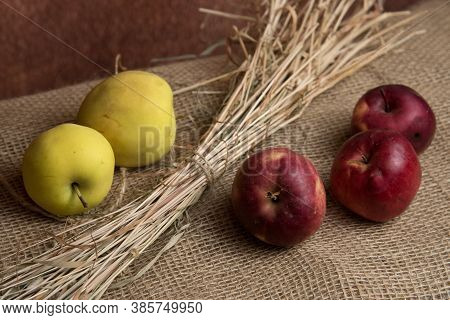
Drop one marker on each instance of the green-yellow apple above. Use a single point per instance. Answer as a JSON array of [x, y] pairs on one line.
[[134, 111], [68, 169]]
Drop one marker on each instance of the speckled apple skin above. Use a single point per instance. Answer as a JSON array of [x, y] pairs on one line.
[[399, 108], [376, 174], [300, 202]]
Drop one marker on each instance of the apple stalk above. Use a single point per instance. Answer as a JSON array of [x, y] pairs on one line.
[[80, 196]]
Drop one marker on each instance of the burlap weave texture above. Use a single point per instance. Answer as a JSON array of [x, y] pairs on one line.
[[348, 257]]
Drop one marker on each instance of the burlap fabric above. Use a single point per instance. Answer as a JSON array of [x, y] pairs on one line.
[[348, 257]]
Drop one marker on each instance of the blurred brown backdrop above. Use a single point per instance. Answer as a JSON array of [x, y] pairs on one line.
[[31, 60]]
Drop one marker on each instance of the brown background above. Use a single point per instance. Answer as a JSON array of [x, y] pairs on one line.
[[140, 30]]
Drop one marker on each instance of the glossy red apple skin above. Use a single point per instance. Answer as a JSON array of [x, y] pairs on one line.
[[398, 108], [278, 196], [376, 174]]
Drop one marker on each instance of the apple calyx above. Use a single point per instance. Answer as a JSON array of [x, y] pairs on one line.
[[274, 196], [80, 196], [365, 159]]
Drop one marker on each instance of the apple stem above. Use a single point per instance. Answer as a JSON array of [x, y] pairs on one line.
[[80, 196], [387, 107]]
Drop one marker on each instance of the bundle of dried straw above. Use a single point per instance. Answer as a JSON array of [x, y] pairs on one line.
[[299, 50]]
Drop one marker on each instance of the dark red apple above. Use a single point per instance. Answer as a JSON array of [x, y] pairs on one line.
[[376, 174], [278, 197], [398, 108]]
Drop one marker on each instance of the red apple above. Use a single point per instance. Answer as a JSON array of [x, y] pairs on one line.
[[398, 108], [278, 197], [376, 174]]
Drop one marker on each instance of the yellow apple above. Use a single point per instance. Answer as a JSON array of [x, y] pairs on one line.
[[68, 169], [134, 111]]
